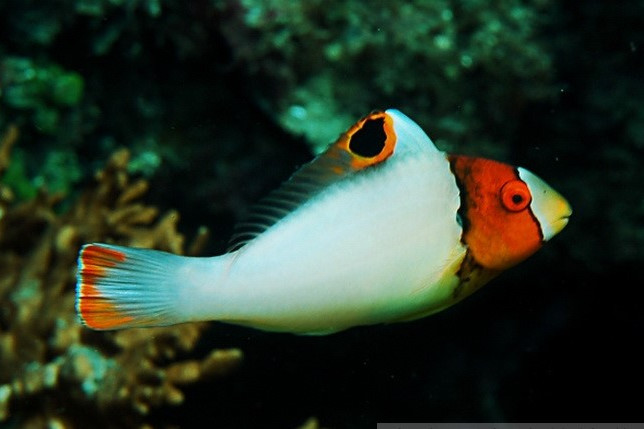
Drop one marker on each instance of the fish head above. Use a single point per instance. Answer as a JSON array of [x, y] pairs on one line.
[[507, 213]]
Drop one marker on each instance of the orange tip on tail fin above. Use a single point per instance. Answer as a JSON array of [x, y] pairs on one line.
[[121, 287]]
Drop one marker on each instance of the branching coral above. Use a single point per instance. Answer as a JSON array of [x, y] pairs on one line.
[[55, 372]]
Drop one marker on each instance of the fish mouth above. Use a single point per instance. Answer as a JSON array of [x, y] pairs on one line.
[[561, 222]]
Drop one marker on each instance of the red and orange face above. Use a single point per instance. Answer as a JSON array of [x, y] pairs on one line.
[[507, 213]]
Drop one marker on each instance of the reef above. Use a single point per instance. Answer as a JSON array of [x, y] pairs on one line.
[[457, 67], [56, 373], [313, 68]]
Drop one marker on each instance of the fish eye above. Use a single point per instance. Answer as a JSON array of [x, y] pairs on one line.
[[515, 195]]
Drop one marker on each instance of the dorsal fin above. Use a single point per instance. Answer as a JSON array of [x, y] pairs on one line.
[[369, 142]]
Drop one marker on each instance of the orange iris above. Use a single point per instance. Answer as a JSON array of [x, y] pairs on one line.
[[515, 195]]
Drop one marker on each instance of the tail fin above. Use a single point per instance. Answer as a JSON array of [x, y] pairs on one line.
[[122, 287]]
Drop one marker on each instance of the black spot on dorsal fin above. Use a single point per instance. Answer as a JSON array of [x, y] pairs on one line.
[[369, 140]]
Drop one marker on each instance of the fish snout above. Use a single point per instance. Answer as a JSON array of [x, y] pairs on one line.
[[550, 208], [561, 214]]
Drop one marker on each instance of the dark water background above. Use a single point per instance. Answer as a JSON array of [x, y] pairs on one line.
[[558, 338]]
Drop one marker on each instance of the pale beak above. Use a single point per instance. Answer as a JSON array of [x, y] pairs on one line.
[[549, 207]]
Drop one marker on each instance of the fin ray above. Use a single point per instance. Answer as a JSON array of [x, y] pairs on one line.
[[334, 165], [120, 287]]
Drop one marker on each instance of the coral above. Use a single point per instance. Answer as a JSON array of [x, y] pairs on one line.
[[458, 67], [49, 362], [453, 65], [43, 90], [48, 98], [6, 143], [76, 78]]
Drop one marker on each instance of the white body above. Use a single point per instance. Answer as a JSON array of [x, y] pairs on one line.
[[379, 248], [366, 233]]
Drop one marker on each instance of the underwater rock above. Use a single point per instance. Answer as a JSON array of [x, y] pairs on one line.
[[54, 371]]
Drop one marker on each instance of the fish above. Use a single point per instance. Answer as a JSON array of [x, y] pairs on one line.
[[382, 227]]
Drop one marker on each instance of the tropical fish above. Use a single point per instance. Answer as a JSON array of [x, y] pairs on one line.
[[382, 227]]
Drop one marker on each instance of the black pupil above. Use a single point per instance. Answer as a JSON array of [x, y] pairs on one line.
[[369, 140], [517, 199]]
